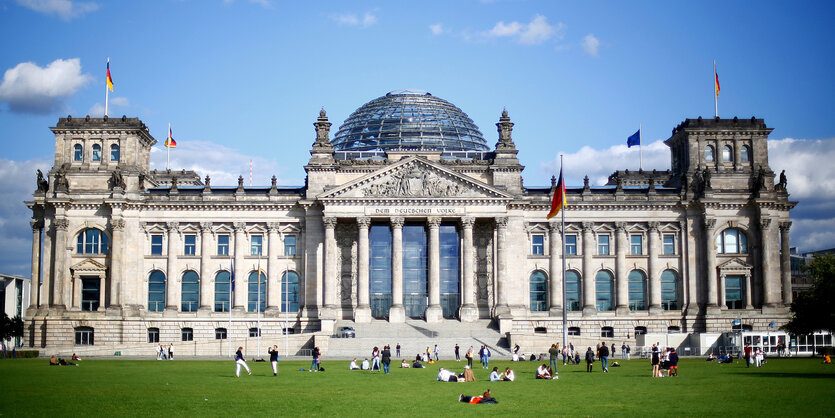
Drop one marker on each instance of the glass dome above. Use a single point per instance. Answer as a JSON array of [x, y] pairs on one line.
[[410, 120]]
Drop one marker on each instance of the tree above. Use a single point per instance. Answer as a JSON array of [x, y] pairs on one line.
[[814, 309], [10, 327]]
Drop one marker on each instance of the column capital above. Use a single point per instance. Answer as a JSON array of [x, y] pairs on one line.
[[710, 223], [433, 221], [397, 221], [501, 222], [172, 226], [36, 224], [467, 221], [588, 226], [785, 226], [117, 224], [329, 221], [273, 226], [653, 225], [620, 226], [206, 226], [363, 221], [555, 227], [239, 226], [61, 224], [765, 223]]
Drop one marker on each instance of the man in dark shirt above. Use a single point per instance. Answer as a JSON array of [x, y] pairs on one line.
[[553, 353], [673, 362], [604, 357], [273, 352]]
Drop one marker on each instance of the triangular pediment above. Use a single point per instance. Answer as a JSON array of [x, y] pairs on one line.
[[415, 177], [735, 264], [88, 265]]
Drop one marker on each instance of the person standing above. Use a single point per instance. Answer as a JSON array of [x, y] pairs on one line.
[[398, 350], [747, 354], [375, 359], [673, 362], [486, 357], [457, 355], [469, 356], [623, 351], [655, 360], [240, 362], [553, 353], [386, 359], [314, 365], [589, 360], [273, 352], [604, 357], [436, 352], [171, 351]]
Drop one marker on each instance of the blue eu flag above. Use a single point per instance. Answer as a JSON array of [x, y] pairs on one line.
[[232, 275], [635, 139]]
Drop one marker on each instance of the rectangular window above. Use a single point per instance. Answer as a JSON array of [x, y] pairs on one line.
[[190, 244], [571, 244], [290, 245], [602, 245], [90, 294], [153, 335], [538, 244], [637, 242], [156, 244], [733, 292], [220, 333], [254, 332], [223, 244], [188, 334], [255, 244], [84, 336], [669, 244]]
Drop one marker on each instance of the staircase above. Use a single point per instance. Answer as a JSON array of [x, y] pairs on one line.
[[414, 336]]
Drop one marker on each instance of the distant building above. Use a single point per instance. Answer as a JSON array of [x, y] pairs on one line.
[[800, 280], [14, 297], [405, 213]]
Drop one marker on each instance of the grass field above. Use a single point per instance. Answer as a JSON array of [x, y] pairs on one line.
[[783, 387]]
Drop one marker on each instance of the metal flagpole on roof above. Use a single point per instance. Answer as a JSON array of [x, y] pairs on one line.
[[564, 306], [258, 303], [231, 278], [640, 149], [286, 303]]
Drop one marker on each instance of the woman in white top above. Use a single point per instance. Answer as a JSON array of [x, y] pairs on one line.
[[354, 365], [508, 375], [494, 375]]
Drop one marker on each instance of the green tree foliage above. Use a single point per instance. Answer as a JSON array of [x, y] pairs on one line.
[[10, 327], [814, 310]]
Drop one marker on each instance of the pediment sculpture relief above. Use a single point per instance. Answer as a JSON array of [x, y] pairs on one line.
[[414, 181]]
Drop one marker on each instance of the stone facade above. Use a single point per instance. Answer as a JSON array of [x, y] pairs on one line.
[[714, 229]]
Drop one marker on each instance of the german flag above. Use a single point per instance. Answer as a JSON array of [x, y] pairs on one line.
[[170, 142], [716, 79], [559, 201], [109, 80]]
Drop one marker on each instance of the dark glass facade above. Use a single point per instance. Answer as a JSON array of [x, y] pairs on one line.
[[450, 270], [379, 280], [414, 270]]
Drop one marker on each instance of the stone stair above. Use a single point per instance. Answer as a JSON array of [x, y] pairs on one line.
[[414, 336]]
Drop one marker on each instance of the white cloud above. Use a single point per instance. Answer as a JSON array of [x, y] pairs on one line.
[[437, 28], [64, 9], [17, 183], [808, 165], [28, 88], [535, 32], [599, 164], [590, 44], [97, 110], [812, 234], [352, 19]]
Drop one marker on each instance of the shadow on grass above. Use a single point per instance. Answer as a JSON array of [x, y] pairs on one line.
[[795, 375]]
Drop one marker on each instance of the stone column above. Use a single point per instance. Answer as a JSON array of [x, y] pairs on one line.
[[654, 279], [116, 278], [469, 312], [710, 255], [502, 306], [101, 294], [769, 257], [622, 280], [397, 313], [48, 260], [241, 273], [172, 300], [434, 313], [748, 304], [363, 311], [555, 272], [329, 281], [785, 262], [36, 225], [206, 298], [62, 284], [273, 271], [723, 303], [589, 295]]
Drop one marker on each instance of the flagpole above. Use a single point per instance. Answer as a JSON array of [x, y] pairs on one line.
[[286, 303], [640, 149], [168, 146], [715, 93], [229, 331], [562, 237], [106, 89], [258, 304]]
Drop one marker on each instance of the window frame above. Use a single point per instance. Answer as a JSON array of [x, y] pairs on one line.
[[223, 244], [92, 241], [84, 336], [538, 298], [114, 148], [186, 334], [256, 245], [153, 335], [607, 332], [190, 244], [159, 305], [640, 278], [669, 304], [721, 243], [601, 245], [568, 299], [537, 244], [78, 153], [288, 304], [727, 154], [598, 301], [255, 332], [190, 305], [95, 156], [636, 248], [668, 248], [221, 333], [157, 247], [290, 247], [570, 244], [711, 156], [225, 281], [745, 154]]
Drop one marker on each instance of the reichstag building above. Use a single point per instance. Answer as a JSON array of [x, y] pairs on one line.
[[407, 214]]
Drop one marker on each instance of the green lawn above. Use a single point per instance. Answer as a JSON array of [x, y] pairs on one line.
[[784, 387]]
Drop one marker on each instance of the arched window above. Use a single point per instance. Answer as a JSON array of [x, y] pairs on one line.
[[727, 154], [289, 292], [91, 241], [222, 295], [539, 294], [156, 291], [114, 152], [637, 291], [572, 290], [709, 154], [257, 292], [745, 154], [187, 334], [669, 290], [153, 335], [732, 241], [78, 153], [96, 152], [84, 336], [191, 291], [603, 289]]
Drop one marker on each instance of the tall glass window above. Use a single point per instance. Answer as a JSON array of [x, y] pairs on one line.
[[156, 244], [603, 290], [290, 292], [450, 275], [190, 244], [538, 244], [637, 244], [222, 295], [96, 152], [572, 290], [414, 270], [90, 293], [669, 290], [727, 154], [379, 280], [571, 244], [669, 244], [153, 335], [84, 336], [709, 154], [156, 291], [602, 245], [78, 153], [539, 291], [91, 241], [637, 291], [223, 244], [257, 292], [290, 245], [256, 242], [114, 152], [745, 154], [733, 292], [190, 291], [732, 241]]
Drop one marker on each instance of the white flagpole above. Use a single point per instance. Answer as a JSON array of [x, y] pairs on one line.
[[106, 88], [562, 236], [286, 304], [229, 331], [168, 146], [258, 303], [715, 93], [640, 150]]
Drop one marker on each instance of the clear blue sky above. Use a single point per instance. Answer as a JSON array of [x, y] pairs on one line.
[[243, 80]]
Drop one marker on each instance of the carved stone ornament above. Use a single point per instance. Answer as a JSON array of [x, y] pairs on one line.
[[43, 184], [61, 224], [765, 223], [588, 226], [239, 226], [433, 221], [172, 226], [785, 226], [620, 226], [273, 226], [653, 226], [414, 181], [467, 221], [501, 222], [206, 226], [330, 222], [397, 221], [710, 223], [364, 221], [117, 224], [554, 227]]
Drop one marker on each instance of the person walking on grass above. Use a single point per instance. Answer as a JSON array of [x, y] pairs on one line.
[[171, 351], [314, 365], [386, 354], [553, 353], [604, 357], [436, 352], [589, 360], [457, 354], [273, 352], [398, 350], [240, 362], [375, 359], [469, 356]]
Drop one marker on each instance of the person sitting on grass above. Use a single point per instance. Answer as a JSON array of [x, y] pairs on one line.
[[418, 365], [354, 365], [711, 357], [75, 357], [722, 358], [494, 375], [405, 364], [542, 372], [365, 365], [53, 361], [827, 359], [508, 375], [445, 375], [469, 376], [487, 397]]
